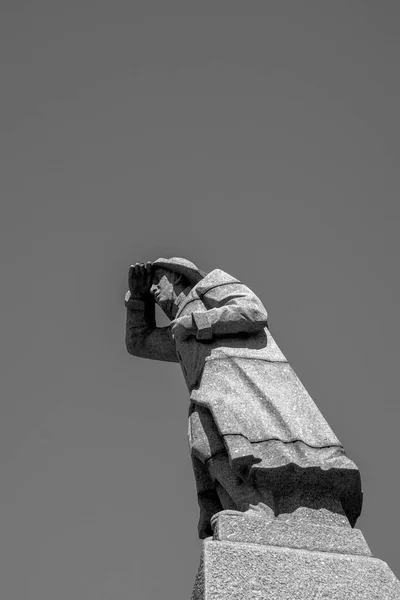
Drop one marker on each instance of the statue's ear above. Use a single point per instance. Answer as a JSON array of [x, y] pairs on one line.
[[178, 278], [174, 277]]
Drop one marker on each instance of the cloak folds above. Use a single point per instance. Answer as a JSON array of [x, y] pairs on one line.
[[261, 416]]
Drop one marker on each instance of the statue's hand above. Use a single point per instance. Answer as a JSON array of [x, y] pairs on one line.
[[139, 279], [182, 328]]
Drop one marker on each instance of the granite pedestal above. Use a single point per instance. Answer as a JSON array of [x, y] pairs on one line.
[[290, 560]]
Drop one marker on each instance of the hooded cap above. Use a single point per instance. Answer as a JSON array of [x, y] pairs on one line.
[[182, 266]]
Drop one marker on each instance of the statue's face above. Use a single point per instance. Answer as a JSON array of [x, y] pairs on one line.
[[163, 289]]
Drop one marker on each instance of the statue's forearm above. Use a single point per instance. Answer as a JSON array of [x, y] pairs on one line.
[[231, 309], [143, 338], [229, 320], [140, 322]]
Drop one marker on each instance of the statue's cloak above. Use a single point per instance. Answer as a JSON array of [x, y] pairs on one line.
[[246, 400]]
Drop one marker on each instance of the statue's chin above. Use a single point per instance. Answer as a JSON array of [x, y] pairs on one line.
[[166, 307]]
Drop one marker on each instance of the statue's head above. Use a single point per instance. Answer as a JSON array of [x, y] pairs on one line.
[[170, 277]]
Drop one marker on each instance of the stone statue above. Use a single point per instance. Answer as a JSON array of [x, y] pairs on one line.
[[259, 445]]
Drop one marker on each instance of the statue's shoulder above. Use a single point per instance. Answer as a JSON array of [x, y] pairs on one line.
[[213, 280]]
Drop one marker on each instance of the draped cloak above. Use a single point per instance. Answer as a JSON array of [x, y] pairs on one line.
[[245, 399]]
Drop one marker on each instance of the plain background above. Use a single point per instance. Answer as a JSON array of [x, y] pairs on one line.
[[261, 138]]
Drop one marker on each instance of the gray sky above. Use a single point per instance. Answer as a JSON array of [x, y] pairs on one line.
[[259, 137]]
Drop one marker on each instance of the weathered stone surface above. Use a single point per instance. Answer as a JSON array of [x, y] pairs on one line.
[[199, 582], [236, 571], [298, 534], [311, 503], [256, 436]]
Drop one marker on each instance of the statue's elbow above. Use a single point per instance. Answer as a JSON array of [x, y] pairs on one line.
[[130, 347], [133, 346]]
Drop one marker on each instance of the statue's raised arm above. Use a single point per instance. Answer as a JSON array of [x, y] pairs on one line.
[[143, 338]]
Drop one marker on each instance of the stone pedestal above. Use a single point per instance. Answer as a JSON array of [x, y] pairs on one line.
[[247, 560]]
